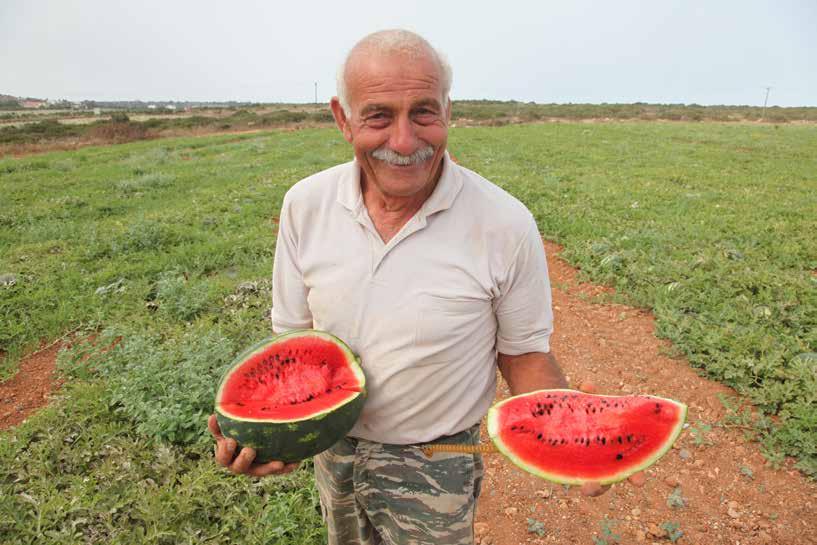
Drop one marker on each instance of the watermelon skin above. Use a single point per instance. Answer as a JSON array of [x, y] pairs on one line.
[[570, 437], [295, 441], [284, 435]]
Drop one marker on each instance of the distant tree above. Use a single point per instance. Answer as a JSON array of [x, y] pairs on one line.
[[119, 117]]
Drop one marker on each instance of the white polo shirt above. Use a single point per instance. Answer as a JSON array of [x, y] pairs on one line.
[[427, 312]]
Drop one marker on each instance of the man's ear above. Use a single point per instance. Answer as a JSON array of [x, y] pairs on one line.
[[340, 119]]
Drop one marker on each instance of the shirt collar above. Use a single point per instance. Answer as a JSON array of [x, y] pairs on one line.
[[442, 198]]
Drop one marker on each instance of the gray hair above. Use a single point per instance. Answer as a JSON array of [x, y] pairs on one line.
[[389, 42]]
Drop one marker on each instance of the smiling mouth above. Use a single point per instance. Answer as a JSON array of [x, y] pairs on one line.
[[404, 167]]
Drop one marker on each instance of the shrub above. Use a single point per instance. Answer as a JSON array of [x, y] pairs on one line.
[[166, 386], [119, 117], [145, 235], [36, 132], [179, 299], [144, 182], [118, 132]]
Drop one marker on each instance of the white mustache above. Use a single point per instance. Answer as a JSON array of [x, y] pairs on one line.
[[392, 157]]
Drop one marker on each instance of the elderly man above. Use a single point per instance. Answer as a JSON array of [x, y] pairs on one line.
[[433, 275]]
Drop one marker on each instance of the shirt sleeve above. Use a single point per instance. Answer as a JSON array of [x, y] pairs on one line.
[[524, 311], [290, 309]]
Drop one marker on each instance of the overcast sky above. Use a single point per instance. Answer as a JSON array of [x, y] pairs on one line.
[[696, 51]]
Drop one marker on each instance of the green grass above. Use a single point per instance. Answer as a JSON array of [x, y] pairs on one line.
[[79, 473], [503, 112], [712, 226], [159, 245], [152, 242], [73, 223]]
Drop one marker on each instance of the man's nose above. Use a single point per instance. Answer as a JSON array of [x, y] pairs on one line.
[[404, 140]]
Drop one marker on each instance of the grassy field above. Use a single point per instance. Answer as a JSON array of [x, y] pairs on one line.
[[164, 249], [25, 131]]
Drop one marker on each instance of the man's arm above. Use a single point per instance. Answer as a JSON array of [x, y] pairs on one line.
[[532, 371]]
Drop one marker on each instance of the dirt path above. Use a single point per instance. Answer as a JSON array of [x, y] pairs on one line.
[[729, 494], [29, 389]]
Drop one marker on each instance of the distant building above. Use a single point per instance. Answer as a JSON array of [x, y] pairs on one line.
[[170, 107], [33, 103], [97, 111], [151, 106]]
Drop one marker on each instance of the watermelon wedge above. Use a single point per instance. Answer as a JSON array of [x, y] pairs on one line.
[[571, 437], [292, 396]]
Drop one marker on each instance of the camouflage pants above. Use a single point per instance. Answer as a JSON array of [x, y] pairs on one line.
[[375, 493]]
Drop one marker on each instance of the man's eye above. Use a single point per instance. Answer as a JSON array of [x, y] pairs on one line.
[[424, 115]]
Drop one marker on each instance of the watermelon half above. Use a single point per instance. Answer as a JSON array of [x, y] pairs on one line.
[[570, 437], [292, 396]]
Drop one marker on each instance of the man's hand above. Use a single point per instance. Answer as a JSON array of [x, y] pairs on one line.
[[594, 489], [243, 463]]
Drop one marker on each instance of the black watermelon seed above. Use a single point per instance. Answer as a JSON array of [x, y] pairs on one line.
[[619, 456], [539, 436]]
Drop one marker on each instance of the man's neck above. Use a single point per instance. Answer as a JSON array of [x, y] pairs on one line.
[[390, 213]]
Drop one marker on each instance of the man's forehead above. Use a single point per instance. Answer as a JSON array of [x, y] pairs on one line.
[[379, 75]]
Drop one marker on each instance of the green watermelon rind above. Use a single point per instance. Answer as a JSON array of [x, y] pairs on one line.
[[298, 439], [618, 476]]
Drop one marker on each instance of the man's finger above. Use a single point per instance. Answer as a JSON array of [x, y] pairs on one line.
[[212, 425], [270, 468], [225, 451], [593, 489], [588, 388], [637, 479], [243, 461]]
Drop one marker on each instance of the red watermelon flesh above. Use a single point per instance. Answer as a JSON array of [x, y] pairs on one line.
[[572, 437], [289, 381]]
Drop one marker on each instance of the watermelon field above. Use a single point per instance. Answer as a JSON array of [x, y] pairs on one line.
[[151, 261]]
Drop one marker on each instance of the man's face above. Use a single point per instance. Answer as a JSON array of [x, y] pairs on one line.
[[398, 126]]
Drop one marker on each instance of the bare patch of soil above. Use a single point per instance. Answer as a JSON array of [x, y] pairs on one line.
[[30, 388], [729, 493]]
